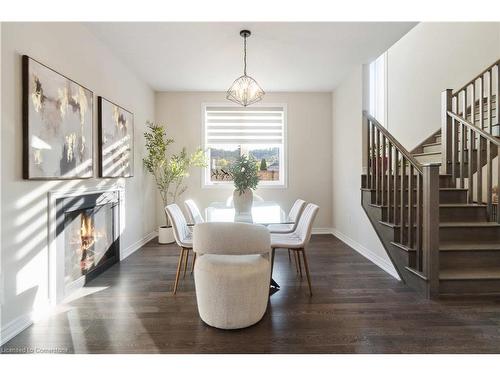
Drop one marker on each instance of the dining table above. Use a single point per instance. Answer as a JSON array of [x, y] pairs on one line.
[[262, 212]]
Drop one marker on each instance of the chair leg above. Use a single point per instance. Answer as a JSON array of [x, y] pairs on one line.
[[306, 266], [272, 261], [295, 261], [186, 263], [300, 263], [289, 257], [181, 256], [194, 261]]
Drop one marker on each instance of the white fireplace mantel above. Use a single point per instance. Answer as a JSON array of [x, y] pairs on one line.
[[57, 290]]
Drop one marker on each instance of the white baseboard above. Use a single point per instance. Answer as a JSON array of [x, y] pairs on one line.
[[14, 327], [368, 254], [124, 253], [322, 231]]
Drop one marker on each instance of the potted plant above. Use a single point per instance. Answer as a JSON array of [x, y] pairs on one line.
[[244, 172], [168, 171]]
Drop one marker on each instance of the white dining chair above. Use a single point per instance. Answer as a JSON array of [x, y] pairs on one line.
[[297, 240], [183, 238], [232, 273], [193, 212], [293, 216]]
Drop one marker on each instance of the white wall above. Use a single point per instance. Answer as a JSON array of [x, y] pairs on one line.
[[72, 50], [309, 146], [433, 57], [350, 222]]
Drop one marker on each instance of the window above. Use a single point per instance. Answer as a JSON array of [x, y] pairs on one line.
[[256, 131], [378, 92]]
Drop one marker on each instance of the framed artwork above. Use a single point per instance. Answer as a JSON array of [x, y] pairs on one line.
[[57, 125], [116, 140]]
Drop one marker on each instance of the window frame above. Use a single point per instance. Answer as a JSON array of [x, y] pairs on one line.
[[378, 103], [205, 173]]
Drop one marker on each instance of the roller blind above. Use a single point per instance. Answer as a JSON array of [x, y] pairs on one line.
[[237, 125]]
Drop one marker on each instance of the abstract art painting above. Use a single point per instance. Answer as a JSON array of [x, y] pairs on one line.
[[116, 140], [57, 125]]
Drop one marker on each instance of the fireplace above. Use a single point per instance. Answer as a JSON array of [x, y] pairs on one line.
[[87, 238]]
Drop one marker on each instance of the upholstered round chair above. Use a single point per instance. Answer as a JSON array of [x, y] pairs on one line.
[[232, 273]]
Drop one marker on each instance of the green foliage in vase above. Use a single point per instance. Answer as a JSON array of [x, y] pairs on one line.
[[244, 172], [169, 171]]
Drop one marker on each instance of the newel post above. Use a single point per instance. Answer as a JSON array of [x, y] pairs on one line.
[[446, 131], [430, 227]]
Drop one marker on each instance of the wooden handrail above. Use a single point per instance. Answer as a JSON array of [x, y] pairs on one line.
[[402, 150], [472, 81], [408, 192], [474, 128]]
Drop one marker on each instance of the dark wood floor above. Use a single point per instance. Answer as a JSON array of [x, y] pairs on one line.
[[356, 308]]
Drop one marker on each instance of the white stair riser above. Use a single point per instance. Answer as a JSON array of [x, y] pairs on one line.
[[432, 148], [423, 159]]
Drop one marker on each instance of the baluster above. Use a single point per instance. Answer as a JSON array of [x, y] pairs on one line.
[[498, 181], [389, 179], [454, 135], [382, 170], [372, 155], [479, 172], [368, 153], [410, 207], [497, 106], [395, 182], [377, 165], [470, 158], [489, 180], [463, 140], [418, 222], [473, 104], [402, 202], [481, 95], [490, 104], [446, 137], [462, 155]]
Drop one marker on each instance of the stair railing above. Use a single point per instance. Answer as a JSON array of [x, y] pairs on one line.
[[469, 127], [477, 102], [409, 193], [464, 162]]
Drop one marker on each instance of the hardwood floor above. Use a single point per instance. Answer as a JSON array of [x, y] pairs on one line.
[[356, 308]]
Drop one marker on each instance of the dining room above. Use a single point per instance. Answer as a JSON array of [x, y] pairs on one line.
[[248, 188]]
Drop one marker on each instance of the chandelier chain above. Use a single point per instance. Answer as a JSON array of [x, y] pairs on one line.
[[245, 55]]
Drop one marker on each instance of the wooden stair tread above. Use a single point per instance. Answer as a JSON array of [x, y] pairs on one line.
[[427, 153], [444, 205], [471, 274], [469, 224], [469, 246], [486, 224], [463, 205]]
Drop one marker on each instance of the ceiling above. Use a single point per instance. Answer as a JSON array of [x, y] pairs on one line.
[[282, 56]]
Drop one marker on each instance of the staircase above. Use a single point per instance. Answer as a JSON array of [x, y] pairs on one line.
[[435, 209]]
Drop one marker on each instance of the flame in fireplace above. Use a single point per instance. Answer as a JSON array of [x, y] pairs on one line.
[[85, 242]]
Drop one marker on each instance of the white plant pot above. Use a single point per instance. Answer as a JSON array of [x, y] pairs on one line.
[[166, 235], [243, 202]]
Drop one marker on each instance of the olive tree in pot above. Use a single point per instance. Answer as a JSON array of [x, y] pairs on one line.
[[168, 171], [245, 178]]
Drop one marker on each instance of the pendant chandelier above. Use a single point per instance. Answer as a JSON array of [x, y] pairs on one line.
[[245, 90]]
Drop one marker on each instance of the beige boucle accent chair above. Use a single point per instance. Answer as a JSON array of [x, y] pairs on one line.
[[232, 273]]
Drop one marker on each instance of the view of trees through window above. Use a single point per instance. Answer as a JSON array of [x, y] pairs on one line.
[[267, 159]]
